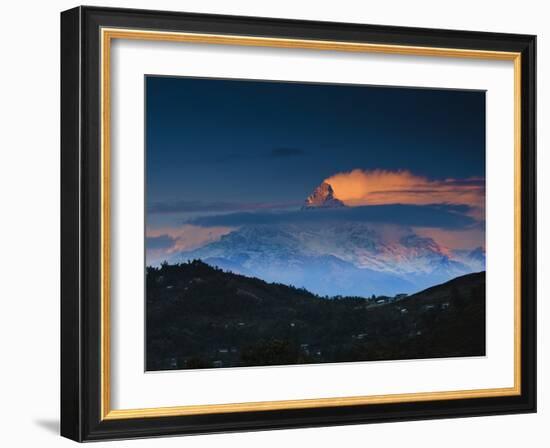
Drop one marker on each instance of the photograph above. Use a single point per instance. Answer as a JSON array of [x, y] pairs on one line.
[[289, 220], [292, 223]]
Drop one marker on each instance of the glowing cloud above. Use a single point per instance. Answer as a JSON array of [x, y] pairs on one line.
[[177, 239], [454, 239], [379, 187]]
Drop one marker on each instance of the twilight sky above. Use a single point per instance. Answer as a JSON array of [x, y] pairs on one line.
[[218, 147]]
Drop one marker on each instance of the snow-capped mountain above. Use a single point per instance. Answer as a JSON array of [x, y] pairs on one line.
[[322, 197], [473, 258], [348, 258], [339, 256]]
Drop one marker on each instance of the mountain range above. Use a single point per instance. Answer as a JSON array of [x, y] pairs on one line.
[[340, 257]]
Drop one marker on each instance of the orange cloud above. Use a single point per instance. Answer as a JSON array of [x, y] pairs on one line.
[[186, 237], [378, 187], [454, 239]]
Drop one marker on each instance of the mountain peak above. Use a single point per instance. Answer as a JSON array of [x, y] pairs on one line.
[[323, 197]]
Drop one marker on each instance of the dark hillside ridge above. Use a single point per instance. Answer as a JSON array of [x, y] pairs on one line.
[[199, 316]]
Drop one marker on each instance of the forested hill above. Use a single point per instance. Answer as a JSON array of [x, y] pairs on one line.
[[199, 316]]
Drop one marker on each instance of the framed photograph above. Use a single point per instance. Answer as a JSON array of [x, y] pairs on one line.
[[275, 224]]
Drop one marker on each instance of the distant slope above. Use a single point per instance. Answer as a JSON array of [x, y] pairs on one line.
[[465, 285], [199, 316]]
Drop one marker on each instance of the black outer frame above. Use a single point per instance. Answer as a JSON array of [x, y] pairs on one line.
[[80, 224]]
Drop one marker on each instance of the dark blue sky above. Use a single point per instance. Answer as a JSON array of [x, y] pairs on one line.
[[256, 141]]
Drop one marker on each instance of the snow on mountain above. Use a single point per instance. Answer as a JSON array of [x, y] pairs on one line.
[[340, 257], [322, 197], [348, 258], [474, 258]]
